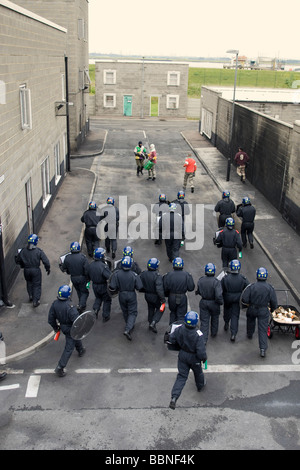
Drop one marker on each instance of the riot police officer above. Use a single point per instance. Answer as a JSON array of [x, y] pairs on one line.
[[110, 217], [247, 213], [258, 297], [225, 207], [76, 264], [61, 316], [230, 240], [126, 282], [99, 273], [176, 284], [29, 259], [233, 284], [128, 251], [210, 289], [171, 229], [154, 292], [185, 210], [90, 218], [159, 208], [192, 352]]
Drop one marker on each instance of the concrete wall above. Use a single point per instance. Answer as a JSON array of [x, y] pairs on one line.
[[141, 80], [273, 147], [69, 13], [286, 112], [32, 53]]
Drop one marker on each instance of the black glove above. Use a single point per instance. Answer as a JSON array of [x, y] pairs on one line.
[[48, 271]]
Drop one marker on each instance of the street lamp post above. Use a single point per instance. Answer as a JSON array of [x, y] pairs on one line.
[[232, 51]]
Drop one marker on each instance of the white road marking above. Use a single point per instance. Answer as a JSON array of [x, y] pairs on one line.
[[132, 371], [9, 387], [92, 371], [43, 371], [33, 386], [231, 368]]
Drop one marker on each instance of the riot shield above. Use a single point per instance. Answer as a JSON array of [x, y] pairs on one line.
[[83, 325]]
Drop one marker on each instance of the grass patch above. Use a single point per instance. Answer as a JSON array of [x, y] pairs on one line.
[[245, 78]]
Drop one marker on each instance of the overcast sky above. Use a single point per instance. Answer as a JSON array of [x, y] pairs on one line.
[[195, 27]]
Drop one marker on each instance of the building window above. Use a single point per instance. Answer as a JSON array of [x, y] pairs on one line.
[[174, 78], [45, 181], [82, 29], [63, 87], [84, 79], [25, 102], [109, 100], [109, 77], [57, 162], [172, 101]]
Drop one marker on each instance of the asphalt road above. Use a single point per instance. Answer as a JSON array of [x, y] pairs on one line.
[[116, 396]]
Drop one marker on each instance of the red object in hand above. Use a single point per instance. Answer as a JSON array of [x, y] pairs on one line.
[[162, 307], [56, 336]]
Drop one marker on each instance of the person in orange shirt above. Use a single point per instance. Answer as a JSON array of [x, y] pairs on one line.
[[190, 169]]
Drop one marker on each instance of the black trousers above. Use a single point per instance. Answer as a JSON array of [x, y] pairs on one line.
[[187, 362], [33, 277], [69, 346]]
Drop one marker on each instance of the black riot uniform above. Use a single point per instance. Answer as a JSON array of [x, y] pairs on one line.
[[176, 284], [233, 285], [61, 316], [210, 289], [184, 208], [99, 273], [226, 208], [247, 214], [230, 241], [154, 296], [126, 282], [76, 264], [90, 218], [110, 219], [192, 352], [170, 226], [160, 208], [30, 258], [259, 296]]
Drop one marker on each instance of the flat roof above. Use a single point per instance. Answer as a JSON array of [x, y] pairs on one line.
[[286, 95]]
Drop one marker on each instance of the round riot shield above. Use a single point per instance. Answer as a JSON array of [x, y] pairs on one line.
[[243, 305], [83, 325]]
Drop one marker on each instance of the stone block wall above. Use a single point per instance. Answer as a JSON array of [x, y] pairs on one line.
[[141, 80], [33, 56]]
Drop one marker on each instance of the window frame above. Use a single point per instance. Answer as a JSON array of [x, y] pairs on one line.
[[169, 99], [45, 176], [173, 72], [108, 71], [25, 105], [57, 162], [105, 96]]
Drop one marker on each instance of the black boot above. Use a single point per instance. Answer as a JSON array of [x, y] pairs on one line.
[[172, 404]]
